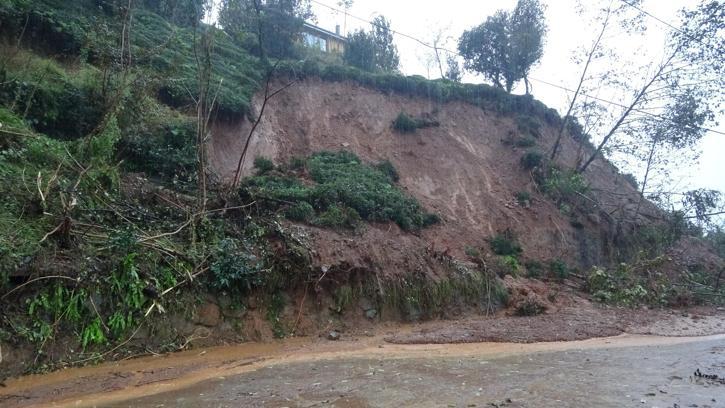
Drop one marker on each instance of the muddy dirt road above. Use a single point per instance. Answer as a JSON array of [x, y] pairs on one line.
[[388, 368], [621, 371], [606, 375]]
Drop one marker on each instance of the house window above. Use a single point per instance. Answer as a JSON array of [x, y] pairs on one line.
[[314, 41]]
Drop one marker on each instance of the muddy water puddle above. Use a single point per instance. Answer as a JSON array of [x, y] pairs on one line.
[[614, 371]]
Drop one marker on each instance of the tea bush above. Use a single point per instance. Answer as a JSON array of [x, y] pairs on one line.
[[344, 191]]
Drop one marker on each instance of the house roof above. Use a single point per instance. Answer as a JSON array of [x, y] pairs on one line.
[[324, 32]]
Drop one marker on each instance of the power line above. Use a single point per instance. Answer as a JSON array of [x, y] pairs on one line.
[[652, 16], [531, 78]]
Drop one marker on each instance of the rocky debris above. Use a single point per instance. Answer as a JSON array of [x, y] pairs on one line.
[[333, 335], [150, 292], [209, 315], [710, 377], [527, 298], [368, 308]]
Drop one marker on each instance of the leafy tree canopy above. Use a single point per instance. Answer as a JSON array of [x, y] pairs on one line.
[[268, 27], [505, 47], [373, 51]]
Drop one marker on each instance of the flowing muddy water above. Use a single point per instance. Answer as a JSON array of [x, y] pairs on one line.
[[626, 370]]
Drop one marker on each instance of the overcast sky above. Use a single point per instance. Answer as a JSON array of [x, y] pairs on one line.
[[567, 32]]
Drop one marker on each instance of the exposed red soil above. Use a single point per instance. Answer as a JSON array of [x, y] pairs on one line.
[[461, 170]]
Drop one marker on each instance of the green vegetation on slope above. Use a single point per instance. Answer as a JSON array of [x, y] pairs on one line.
[[344, 191], [102, 251], [79, 30]]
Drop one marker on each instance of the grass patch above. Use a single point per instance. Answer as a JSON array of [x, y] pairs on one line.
[[417, 298]]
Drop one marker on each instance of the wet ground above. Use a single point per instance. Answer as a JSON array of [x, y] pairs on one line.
[[630, 376], [655, 366]]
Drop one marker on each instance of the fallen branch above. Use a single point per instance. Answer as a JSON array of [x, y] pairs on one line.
[[38, 279], [166, 234], [299, 313]]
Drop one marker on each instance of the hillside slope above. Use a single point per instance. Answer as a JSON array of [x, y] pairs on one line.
[[463, 170], [111, 246]]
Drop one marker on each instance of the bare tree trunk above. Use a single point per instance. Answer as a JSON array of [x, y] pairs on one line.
[[717, 279], [203, 110], [564, 121], [438, 59], [267, 97], [642, 92], [646, 177]]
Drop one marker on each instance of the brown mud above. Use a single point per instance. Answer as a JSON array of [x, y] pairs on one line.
[[130, 379]]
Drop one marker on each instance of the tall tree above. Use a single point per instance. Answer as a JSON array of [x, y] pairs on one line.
[[505, 47], [599, 67], [682, 89], [673, 137], [527, 32], [485, 50], [184, 12], [273, 25], [373, 51], [453, 70]]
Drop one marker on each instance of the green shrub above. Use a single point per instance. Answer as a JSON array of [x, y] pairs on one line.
[[387, 168], [565, 185], [159, 142], [344, 191], [621, 287], [631, 179], [234, 267], [531, 160], [528, 125], [505, 243], [301, 211], [404, 123], [530, 307], [534, 269], [523, 198], [559, 269], [525, 142], [263, 165], [336, 217], [508, 265]]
